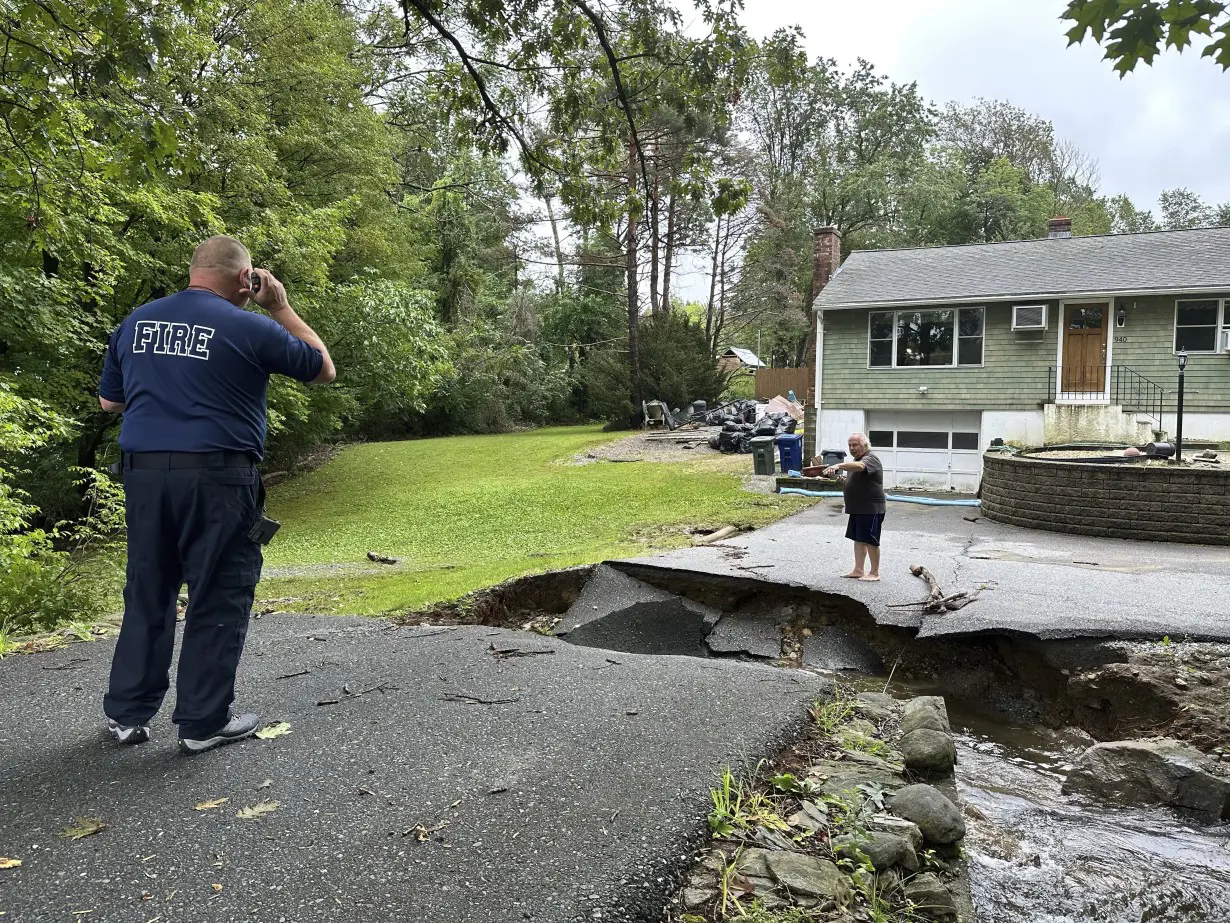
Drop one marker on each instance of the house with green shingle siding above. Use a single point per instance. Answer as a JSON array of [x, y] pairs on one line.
[[934, 352]]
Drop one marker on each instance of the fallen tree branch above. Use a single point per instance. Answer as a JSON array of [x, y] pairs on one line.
[[937, 602], [503, 653], [465, 699], [919, 571]]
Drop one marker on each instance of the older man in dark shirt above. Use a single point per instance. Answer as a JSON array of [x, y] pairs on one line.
[[865, 503]]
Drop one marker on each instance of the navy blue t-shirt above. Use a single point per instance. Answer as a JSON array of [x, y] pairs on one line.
[[193, 370]]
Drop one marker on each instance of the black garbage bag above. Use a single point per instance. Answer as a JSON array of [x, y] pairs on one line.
[[728, 441], [730, 426], [767, 427], [715, 441], [745, 443]]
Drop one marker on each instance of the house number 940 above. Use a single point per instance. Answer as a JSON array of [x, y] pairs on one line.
[[1121, 339]]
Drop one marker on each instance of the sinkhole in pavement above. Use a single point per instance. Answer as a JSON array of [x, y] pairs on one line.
[[1109, 689]]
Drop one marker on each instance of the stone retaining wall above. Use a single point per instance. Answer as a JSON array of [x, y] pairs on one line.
[[1151, 503]]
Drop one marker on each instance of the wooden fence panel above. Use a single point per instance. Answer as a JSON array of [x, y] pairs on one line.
[[772, 382]]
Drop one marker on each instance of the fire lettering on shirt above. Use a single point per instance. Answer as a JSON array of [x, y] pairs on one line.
[[172, 338]]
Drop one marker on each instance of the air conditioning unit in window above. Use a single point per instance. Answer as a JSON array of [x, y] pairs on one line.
[[1225, 340], [1029, 317]]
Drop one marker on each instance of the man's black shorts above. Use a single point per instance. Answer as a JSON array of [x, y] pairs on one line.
[[865, 528]]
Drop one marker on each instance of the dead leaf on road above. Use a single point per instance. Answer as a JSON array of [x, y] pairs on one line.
[[217, 887], [257, 810], [82, 827], [209, 805], [7, 863], [270, 731]]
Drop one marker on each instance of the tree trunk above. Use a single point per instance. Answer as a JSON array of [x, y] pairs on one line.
[[721, 310], [713, 274], [634, 311], [653, 240], [559, 252], [92, 436], [669, 256]]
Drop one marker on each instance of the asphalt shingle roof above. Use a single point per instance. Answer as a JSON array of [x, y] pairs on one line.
[[1159, 261]]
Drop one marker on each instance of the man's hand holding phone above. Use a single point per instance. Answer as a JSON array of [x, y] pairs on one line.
[[267, 291]]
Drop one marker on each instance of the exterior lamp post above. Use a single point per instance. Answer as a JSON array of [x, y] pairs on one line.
[[1178, 438]]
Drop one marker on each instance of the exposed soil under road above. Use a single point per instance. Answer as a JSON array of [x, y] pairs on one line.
[[1110, 689]]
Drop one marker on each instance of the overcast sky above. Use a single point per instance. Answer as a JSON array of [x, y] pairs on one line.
[[1160, 127]]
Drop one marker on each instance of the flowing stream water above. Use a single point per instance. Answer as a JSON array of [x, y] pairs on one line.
[[1041, 856]]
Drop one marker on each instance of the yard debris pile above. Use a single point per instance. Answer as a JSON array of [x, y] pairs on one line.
[[838, 825], [742, 420]]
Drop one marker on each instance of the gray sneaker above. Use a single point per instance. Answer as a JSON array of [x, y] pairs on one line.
[[237, 728], [128, 733]]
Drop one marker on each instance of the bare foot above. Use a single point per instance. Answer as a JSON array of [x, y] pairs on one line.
[[870, 578], [854, 574]]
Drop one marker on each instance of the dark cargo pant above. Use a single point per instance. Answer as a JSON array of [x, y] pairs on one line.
[[188, 519]]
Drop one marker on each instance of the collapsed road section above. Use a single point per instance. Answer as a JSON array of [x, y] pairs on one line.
[[1055, 738]]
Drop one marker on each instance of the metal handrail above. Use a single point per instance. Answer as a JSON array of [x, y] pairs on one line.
[[1136, 393], [1119, 385]]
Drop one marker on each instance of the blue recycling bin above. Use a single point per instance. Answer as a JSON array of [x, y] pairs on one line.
[[790, 450]]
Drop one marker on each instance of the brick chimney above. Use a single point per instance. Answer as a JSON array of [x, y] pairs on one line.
[[1059, 227], [826, 257]]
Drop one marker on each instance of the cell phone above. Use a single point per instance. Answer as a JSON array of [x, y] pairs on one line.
[[254, 281]]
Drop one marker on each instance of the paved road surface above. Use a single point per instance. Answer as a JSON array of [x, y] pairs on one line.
[[1041, 583], [574, 801]]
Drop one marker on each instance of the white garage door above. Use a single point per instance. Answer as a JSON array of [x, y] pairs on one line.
[[927, 448]]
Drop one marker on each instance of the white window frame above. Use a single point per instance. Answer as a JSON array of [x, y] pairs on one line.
[[1222, 305], [956, 339]]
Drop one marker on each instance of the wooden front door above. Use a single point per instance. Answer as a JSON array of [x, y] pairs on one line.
[[1084, 348]]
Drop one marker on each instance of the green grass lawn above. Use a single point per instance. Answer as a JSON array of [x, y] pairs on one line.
[[468, 512]]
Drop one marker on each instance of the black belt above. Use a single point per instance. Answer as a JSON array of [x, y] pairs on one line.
[[168, 460]]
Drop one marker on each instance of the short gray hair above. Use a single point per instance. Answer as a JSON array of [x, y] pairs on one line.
[[221, 254], [860, 439]]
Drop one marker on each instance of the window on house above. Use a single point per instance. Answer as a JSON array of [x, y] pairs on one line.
[[965, 441], [1195, 325], [880, 339], [907, 439], [881, 438], [908, 339], [924, 338], [969, 346]]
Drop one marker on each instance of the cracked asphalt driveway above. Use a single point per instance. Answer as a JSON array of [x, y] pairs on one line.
[[1037, 583], [565, 785]]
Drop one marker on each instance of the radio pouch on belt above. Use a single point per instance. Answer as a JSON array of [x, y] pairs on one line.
[[265, 529]]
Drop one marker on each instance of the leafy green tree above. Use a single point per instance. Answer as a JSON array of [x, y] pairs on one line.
[[1138, 30]]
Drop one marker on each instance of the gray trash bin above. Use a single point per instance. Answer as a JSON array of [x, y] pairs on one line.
[[763, 460]]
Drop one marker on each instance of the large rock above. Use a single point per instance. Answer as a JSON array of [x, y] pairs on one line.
[[898, 826], [1163, 770], [809, 877], [885, 850], [930, 898], [937, 817], [928, 752], [925, 711], [842, 778]]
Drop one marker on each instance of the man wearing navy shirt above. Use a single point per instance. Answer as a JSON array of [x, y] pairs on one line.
[[190, 372]]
